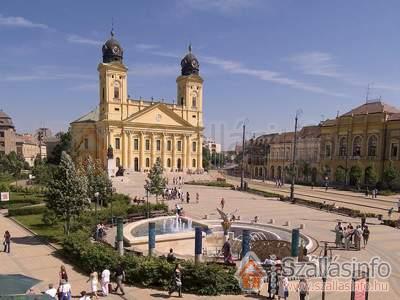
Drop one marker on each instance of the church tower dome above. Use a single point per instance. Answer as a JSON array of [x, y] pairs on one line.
[[112, 50], [189, 64]]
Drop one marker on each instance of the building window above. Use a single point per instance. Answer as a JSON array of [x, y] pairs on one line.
[[357, 146], [147, 162], [169, 145], [194, 163], [194, 104], [158, 143], [116, 90], [86, 144], [372, 143], [147, 145], [169, 163], [179, 145], [194, 146], [394, 150], [117, 143], [2, 134], [328, 150], [103, 94], [181, 101], [135, 144], [117, 162], [343, 147]]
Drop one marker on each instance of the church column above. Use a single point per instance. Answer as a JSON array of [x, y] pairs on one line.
[[124, 149], [188, 150], [173, 152], [142, 145], [184, 148], [164, 152], [129, 149], [199, 152], [153, 149]]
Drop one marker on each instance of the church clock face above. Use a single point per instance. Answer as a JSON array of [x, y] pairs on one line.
[[195, 64], [115, 50]]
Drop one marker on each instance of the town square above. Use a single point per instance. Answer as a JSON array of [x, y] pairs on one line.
[[199, 149]]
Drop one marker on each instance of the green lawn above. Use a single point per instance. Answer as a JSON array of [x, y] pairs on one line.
[[49, 233], [22, 196]]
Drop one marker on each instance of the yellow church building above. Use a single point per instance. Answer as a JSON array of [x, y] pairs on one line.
[[142, 132]]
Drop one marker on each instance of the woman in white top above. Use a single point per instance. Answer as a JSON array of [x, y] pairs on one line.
[[94, 280], [283, 287]]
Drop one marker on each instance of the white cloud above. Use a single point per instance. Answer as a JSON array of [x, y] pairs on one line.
[[145, 47], [73, 38], [222, 6], [153, 70], [316, 63], [20, 22], [85, 87], [267, 75]]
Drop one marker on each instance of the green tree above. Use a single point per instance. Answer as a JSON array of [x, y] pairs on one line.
[[98, 180], [156, 182], [371, 177], [355, 175], [305, 170], [67, 192], [390, 174], [340, 175], [206, 158], [64, 145]]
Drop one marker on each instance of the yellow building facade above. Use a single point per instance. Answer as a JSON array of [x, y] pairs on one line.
[[142, 132]]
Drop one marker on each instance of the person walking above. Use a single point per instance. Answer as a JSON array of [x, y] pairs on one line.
[[357, 237], [176, 282], [187, 197], [7, 241], [197, 198], [222, 203], [105, 281], [94, 280], [339, 234], [64, 291], [283, 287], [171, 256], [365, 235], [303, 289], [120, 276]]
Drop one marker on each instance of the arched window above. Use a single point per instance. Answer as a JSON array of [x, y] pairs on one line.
[[136, 164], [116, 90], [343, 147], [328, 150], [357, 146], [117, 162], [194, 102], [147, 162], [194, 163], [372, 144], [179, 164], [194, 146], [169, 163]]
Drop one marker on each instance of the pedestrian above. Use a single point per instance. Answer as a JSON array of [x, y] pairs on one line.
[[366, 192], [198, 198], [187, 197], [365, 235], [120, 276], [222, 203], [357, 237], [303, 289], [339, 234], [64, 291], [105, 281], [390, 211], [226, 251], [283, 287], [51, 291], [176, 282], [94, 280], [7, 241], [171, 256]]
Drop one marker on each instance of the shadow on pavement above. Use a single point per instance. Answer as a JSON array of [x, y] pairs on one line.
[[26, 240]]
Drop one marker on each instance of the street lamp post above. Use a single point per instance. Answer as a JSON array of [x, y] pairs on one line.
[[96, 196], [111, 203], [266, 161], [294, 159], [147, 203], [243, 151]]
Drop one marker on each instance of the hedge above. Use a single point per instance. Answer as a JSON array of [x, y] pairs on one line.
[[202, 279], [222, 184], [262, 193], [27, 210], [18, 203]]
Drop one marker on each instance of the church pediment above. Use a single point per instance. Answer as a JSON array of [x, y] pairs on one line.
[[158, 114]]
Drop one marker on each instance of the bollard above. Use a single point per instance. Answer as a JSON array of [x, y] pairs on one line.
[[287, 223], [295, 242], [120, 236], [302, 226], [198, 241], [245, 242], [152, 238], [271, 221]]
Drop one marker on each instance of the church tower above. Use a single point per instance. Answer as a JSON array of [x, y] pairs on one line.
[[190, 90], [113, 82]]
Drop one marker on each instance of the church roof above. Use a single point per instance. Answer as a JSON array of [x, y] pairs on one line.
[[92, 116], [372, 108]]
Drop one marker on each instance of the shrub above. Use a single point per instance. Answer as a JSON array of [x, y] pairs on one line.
[[262, 193], [27, 210], [49, 218], [4, 187], [217, 183]]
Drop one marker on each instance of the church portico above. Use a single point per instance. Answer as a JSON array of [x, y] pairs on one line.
[[140, 132]]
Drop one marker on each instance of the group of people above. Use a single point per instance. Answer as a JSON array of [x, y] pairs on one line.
[[348, 236], [100, 231], [373, 193], [64, 290], [278, 182]]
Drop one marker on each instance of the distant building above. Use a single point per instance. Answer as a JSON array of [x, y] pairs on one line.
[[29, 148], [212, 146], [7, 134]]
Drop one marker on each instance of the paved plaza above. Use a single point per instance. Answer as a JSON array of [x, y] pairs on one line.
[[32, 258]]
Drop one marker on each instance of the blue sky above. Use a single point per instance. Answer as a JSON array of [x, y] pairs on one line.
[[262, 60]]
